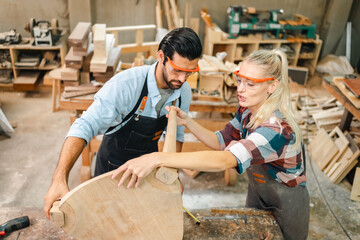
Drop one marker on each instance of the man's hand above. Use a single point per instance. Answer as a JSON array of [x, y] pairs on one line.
[[56, 191], [137, 169]]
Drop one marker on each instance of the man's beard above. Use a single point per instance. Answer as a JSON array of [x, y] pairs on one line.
[[170, 83]]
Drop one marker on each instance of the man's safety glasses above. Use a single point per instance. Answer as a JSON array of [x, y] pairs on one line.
[[180, 71], [249, 82]]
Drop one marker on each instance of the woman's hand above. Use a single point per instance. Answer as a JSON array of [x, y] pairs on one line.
[[182, 118], [137, 169]]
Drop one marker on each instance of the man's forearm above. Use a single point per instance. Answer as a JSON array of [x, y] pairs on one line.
[[70, 152]]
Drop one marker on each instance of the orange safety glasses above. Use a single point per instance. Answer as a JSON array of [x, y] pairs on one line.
[[253, 79], [182, 69]]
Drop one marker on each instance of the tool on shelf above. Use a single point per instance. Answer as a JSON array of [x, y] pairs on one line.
[[242, 20], [44, 32], [13, 225]]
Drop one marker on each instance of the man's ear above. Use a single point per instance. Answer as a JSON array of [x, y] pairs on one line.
[[160, 56], [273, 86]]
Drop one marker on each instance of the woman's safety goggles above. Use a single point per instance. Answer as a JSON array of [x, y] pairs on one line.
[[249, 82], [253, 79], [178, 70]]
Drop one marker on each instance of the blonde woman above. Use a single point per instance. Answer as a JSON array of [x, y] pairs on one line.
[[263, 140]]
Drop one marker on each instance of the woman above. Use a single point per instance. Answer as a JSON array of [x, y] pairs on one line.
[[263, 140]]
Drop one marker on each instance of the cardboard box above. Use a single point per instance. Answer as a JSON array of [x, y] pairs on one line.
[[210, 87]]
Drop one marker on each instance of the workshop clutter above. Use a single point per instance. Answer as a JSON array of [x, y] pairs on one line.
[[214, 79]]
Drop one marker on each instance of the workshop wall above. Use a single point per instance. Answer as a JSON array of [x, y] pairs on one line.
[[328, 15], [15, 14]]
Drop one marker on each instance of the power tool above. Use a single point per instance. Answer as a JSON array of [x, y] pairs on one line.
[[44, 32], [243, 20], [13, 225]]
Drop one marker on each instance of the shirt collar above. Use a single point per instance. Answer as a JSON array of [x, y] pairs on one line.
[[153, 89]]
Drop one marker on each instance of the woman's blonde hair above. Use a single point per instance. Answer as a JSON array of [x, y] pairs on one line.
[[274, 64]]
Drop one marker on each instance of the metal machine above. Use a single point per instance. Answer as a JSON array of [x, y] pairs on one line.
[[242, 20], [43, 32], [11, 37]]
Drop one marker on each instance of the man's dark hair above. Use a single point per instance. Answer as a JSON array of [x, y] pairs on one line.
[[184, 41]]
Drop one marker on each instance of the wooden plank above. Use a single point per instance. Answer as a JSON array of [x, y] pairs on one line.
[[194, 24], [174, 13], [346, 161], [79, 35], [72, 61], [69, 74], [341, 143], [26, 80], [355, 190], [216, 63], [78, 93], [322, 148], [158, 14], [167, 14], [99, 61], [99, 39], [333, 90], [339, 82]]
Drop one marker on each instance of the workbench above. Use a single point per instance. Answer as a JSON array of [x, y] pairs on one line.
[[350, 109], [80, 104], [256, 225]]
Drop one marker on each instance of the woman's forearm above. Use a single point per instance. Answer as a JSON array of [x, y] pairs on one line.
[[206, 136], [207, 161]]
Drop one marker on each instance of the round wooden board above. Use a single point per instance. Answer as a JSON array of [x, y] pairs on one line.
[[99, 209]]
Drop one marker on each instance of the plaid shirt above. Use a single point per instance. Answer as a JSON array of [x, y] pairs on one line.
[[271, 143]]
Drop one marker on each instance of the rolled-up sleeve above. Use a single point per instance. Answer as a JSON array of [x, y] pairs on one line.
[[264, 145]]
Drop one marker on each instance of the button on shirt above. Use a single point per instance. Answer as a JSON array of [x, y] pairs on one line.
[[115, 100]]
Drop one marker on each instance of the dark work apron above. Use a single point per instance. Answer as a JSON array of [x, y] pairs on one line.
[[140, 135], [289, 205]]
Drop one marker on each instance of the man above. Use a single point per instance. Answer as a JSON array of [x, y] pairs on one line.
[[130, 111]]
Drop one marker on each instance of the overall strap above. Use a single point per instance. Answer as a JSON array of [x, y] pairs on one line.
[[143, 94]]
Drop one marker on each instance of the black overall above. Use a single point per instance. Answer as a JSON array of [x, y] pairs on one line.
[[289, 205], [140, 135]]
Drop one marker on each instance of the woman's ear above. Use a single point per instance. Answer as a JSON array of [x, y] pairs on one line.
[[273, 86]]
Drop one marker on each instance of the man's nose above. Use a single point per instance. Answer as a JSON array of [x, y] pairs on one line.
[[182, 77]]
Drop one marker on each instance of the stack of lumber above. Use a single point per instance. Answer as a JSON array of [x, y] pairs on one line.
[[314, 113], [335, 153], [74, 60], [103, 44], [112, 66]]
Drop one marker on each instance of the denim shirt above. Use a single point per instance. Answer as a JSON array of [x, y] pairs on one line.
[[118, 97]]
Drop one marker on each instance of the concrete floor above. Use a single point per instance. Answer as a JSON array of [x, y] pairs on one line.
[[29, 157]]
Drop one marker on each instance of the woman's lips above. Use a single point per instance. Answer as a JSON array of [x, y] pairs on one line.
[[241, 98]]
